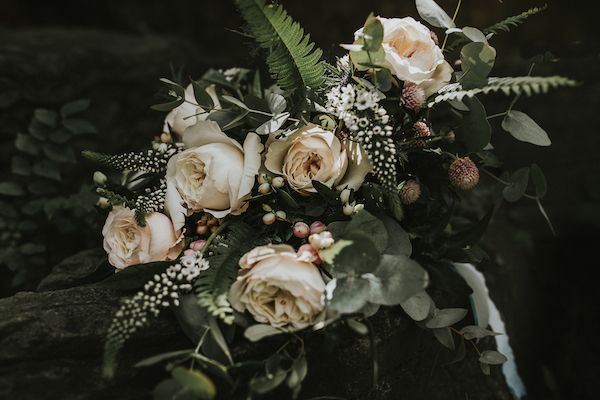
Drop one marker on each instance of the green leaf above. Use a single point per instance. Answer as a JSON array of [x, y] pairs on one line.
[[298, 372], [329, 254], [398, 279], [363, 223], [475, 131], [58, 153], [350, 295], [235, 102], [46, 117], [11, 189], [254, 333], [135, 276], [474, 34], [216, 333], [359, 258], [399, 241], [357, 326], [60, 136], [276, 103], [471, 332], [477, 61], [372, 34], [192, 318], [170, 389], [518, 185], [364, 60], [383, 79], [20, 166], [47, 169], [446, 317], [79, 126], [293, 60], [32, 248], [202, 97], [147, 362], [525, 129], [196, 382], [273, 124], [434, 14], [288, 199], [27, 144], [418, 306], [539, 181], [74, 107], [265, 384], [492, 357], [444, 336], [176, 91], [471, 235], [326, 192]]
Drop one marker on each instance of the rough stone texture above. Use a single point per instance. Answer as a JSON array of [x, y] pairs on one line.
[[51, 345]]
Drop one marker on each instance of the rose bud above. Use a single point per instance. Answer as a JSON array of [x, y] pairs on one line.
[[264, 188], [321, 240], [165, 137], [317, 227], [269, 218], [103, 202], [197, 245], [277, 182], [306, 252], [301, 230]]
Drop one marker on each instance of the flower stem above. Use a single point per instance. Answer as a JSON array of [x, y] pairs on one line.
[[453, 19], [213, 236]]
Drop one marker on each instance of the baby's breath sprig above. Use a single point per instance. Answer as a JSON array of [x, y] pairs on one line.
[[161, 292]]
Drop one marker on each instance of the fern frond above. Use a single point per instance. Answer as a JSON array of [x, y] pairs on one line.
[[144, 161], [213, 284], [507, 24], [293, 60], [527, 85]]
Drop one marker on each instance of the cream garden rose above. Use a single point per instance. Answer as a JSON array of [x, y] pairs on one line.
[[127, 243], [313, 153], [215, 174], [188, 113], [278, 288], [412, 55]]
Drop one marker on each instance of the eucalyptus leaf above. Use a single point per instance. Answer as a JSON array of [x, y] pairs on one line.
[[168, 106], [273, 124], [79, 126], [254, 333], [444, 336], [20, 166], [46, 117], [202, 97], [276, 103], [217, 335], [492, 357], [147, 362], [170, 389], [477, 61], [264, 384], [358, 258], [59, 153], [235, 102], [398, 239], [192, 318], [47, 169], [372, 34], [418, 306], [298, 372], [518, 185], [471, 332], [475, 131], [525, 129], [400, 278], [434, 14], [539, 181], [350, 295], [446, 317], [329, 254], [196, 382], [364, 223], [474, 34], [470, 235]]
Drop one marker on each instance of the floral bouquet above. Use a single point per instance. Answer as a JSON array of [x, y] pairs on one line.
[[282, 207]]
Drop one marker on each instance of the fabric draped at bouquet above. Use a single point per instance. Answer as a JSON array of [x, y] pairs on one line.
[[285, 206]]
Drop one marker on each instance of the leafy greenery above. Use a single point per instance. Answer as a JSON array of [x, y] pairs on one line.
[[527, 85], [513, 21], [293, 60]]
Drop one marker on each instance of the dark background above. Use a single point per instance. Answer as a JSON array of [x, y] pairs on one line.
[[545, 286]]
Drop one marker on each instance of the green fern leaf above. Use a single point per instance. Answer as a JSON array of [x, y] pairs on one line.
[[507, 24], [527, 85], [294, 61]]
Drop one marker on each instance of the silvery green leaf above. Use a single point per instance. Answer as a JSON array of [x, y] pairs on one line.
[[265, 384], [357, 326], [418, 306], [444, 336], [350, 295], [492, 357], [525, 129], [446, 317], [257, 332], [273, 124], [539, 181], [276, 103], [74, 107], [328, 255], [432, 13], [518, 185], [298, 372], [196, 382], [477, 61], [399, 278], [218, 336], [471, 332], [474, 34], [235, 102], [475, 131]]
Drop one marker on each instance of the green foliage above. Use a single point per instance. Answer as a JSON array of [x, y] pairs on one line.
[[525, 129], [477, 61], [527, 85], [511, 22], [475, 130], [42, 196], [213, 284], [293, 60]]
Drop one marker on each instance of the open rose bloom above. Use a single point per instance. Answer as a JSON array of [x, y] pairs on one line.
[[279, 287], [127, 243]]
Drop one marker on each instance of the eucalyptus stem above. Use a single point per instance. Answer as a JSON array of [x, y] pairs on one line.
[[502, 181], [453, 19], [373, 347]]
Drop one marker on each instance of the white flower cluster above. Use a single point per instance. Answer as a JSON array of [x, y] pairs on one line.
[[368, 123], [153, 200], [160, 292]]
